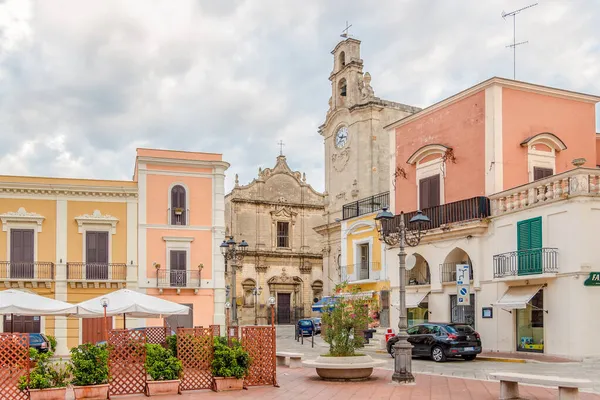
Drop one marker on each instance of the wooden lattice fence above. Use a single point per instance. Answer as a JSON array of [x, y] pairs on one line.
[[195, 350], [14, 363], [260, 343], [157, 335], [127, 355]]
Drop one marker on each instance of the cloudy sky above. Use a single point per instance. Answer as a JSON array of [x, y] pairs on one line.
[[83, 83]]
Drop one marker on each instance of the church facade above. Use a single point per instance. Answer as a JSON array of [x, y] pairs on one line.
[[276, 214], [357, 153]]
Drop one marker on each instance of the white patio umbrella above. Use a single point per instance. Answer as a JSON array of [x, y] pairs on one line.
[[132, 303], [20, 302]]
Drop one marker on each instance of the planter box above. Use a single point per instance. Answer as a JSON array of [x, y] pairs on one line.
[[48, 394], [226, 384], [156, 388], [355, 368], [95, 392]]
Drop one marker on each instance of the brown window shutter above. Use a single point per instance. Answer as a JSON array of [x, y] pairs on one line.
[[91, 253], [434, 191], [102, 247], [423, 194], [16, 245], [541, 173]]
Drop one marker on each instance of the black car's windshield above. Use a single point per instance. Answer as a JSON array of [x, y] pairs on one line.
[[35, 339], [305, 323], [459, 329]]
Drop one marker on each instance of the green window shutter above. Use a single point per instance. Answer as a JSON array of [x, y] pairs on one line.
[[523, 235], [535, 233]]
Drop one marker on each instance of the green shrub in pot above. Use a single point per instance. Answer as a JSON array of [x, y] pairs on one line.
[[89, 365], [172, 344], [161, 365], [52, 340], [46, 374], [229, 361]]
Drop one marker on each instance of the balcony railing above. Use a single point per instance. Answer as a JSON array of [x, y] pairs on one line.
[[178, 279], [476, 208], [526, 262], [362, 271], [366, 206], [27, 271], [178, 216], [448, 272], [576, 182], [80, 271]]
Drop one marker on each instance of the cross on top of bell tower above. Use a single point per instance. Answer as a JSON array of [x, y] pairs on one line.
[[345, 32]]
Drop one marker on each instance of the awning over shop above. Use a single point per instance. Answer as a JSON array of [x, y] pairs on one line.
[[413, 299], [325, 303], [517, 297], [360, 295]]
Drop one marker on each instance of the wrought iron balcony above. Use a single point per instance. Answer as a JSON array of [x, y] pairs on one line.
[[473, 209], [92, 272], [178, 279], [448, 272], [30, 271], [366, 206], [361, 271], [526, 262]]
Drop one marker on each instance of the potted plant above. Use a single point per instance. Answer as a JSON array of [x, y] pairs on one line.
[[229, 365], [343, 325], [47, 381], [89, 368], [164, 369], [178, 211]]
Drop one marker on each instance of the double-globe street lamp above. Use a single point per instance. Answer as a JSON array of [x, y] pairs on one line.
[[234, 252], [402, 236]]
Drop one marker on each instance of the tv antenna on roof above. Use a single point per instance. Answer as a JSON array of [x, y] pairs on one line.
[[514, 43]]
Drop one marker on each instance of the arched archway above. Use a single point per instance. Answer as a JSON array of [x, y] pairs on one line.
[[342, 59], [420, 274], [448, 268]]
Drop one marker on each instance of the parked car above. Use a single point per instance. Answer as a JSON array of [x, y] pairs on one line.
[[306, 327], [317, 322], [39, 341], [440, 341]]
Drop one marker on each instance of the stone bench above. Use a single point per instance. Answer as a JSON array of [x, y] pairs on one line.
[[568, 388], [295, 359]]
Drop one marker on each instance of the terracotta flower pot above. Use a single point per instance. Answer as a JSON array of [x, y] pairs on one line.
[[225, 384], [156, 388], [95, 392], [48, 394]]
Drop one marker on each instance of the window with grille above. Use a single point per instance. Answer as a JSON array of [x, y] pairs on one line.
[[283, 234]]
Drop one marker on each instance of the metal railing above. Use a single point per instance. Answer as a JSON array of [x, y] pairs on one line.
[[178, 278], [27, 271], [448, 271], [366, 206], [178, 217], [361, 271], [526, 262], [83, 271], [475, 208]]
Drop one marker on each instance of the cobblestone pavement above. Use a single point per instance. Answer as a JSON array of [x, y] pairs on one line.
[[454, 368]]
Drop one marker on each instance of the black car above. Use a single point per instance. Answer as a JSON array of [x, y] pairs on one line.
[[439, 341], [39, 341]]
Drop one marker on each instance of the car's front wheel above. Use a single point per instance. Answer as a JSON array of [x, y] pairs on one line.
[[469, 357], [437, 354]]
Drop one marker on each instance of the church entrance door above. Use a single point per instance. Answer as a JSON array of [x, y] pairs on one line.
[[283, 308]]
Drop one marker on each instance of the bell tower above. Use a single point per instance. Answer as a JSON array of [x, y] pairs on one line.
[[347, 74]]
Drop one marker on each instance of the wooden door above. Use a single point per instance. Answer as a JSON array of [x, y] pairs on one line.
[[283, 308], [92, 329], [22, 324], [21, 254], [177, 273], [96, 253]]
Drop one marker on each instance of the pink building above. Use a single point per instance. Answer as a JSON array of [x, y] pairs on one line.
[[180, 227], [493, 136]]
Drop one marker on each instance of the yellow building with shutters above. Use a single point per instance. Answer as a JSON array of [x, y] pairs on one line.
[[362, 259], [68, 239]]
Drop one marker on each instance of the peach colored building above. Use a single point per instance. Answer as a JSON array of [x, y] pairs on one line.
[[180, 227], [507, 173]]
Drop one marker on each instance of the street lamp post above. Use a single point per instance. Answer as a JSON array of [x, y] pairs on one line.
[[256, 291], [104, 303], [402, 236], [234, 252]]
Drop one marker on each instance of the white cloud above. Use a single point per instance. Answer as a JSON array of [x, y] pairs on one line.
[[85, 83]]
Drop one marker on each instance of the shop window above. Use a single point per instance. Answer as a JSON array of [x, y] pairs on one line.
[[419, 315], [530, 325]]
